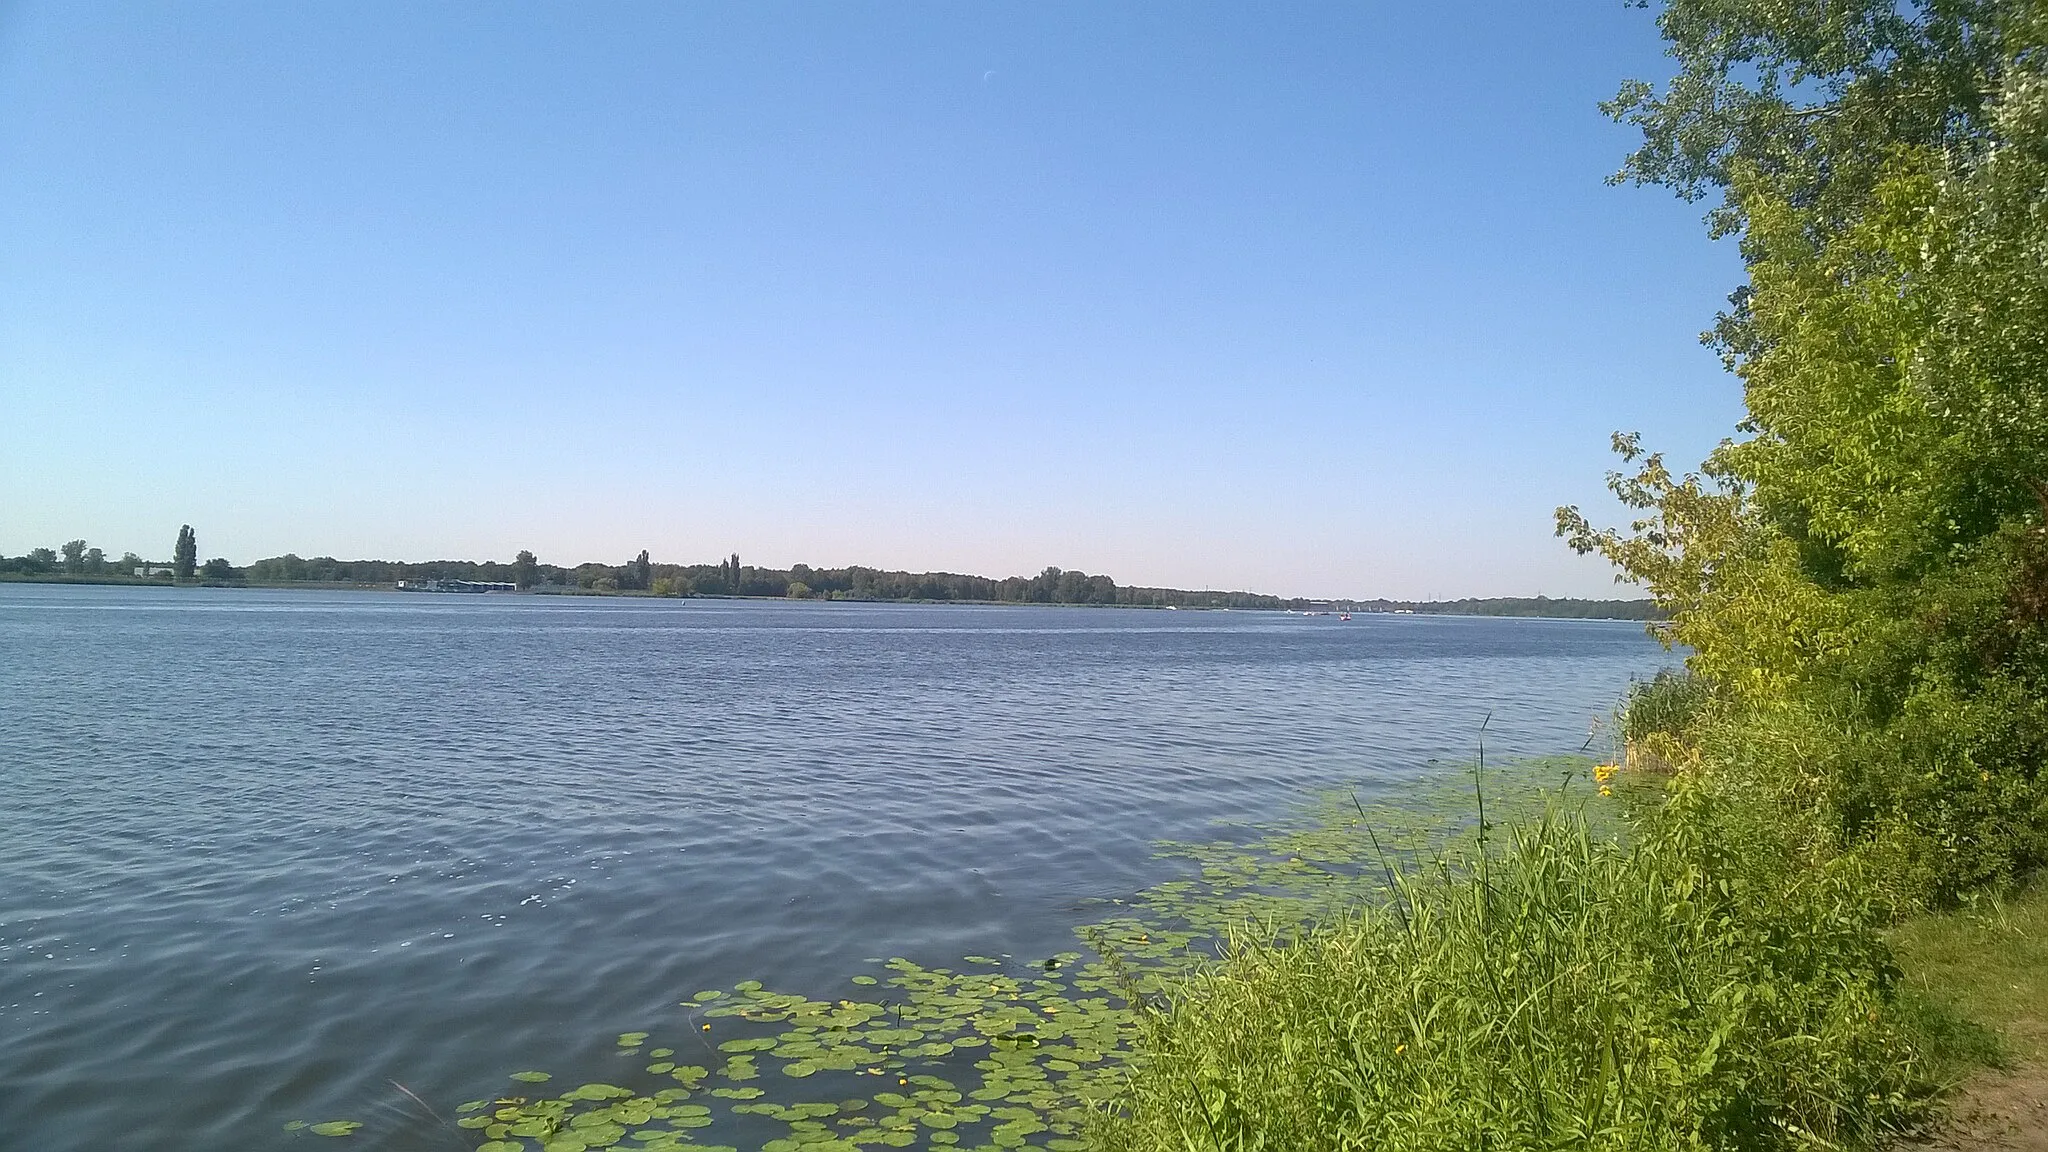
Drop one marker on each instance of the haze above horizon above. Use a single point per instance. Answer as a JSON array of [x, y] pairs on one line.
[[1316, 300]]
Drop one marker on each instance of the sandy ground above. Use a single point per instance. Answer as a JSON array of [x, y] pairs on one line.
[[2004, 1111]]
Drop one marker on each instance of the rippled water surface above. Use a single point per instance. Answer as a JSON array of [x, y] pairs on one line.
[[264, 853]]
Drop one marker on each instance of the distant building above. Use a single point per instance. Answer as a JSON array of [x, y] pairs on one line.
[[156, 570]]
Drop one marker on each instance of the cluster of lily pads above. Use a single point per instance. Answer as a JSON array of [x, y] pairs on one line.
[[994, 1054], [980, 1057]]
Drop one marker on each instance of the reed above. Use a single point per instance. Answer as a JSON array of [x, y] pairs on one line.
[[1698, 985]]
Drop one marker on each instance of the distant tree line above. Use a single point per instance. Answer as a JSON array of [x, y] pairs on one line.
[[1556, 608], [729, 577], [79, 560]]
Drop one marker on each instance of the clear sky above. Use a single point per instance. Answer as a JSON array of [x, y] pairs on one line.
[[1314, 299]]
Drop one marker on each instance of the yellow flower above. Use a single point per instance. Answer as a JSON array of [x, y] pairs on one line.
[[1606, 791], [1603, 772], [1400, 1048]]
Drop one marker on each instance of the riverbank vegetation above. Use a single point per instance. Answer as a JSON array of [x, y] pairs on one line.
[[1703, 985], [1861, 581]]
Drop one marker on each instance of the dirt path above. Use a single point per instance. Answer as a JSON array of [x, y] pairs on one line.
[[1997, 1112]]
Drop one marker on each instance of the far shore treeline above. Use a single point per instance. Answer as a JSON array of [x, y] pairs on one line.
[[77, 562]]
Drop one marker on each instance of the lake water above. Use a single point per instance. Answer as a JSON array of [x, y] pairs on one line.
[[263, 854]]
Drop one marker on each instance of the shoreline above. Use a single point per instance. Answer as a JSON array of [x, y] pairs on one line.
[[1421, 608]]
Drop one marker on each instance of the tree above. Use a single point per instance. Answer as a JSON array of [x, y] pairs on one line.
[[185, 555], [218, 569], [642, 571], [525, 569], [95, 561], [74, 556], [39, 560], [1811, 98], [1863, 577]]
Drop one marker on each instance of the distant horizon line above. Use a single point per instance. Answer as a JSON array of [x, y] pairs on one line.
[[12, 566]]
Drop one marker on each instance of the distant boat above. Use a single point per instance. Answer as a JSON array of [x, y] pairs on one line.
[[457, 586], [1343, 615]]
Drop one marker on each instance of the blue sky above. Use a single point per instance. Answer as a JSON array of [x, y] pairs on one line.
[[1317, 299]]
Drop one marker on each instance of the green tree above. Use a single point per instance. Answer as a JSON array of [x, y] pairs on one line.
[[74, 556], [95, 561], [1812, 98], [525, 569], [642, 571], [1863, 576], [217, 569], [185, 555]]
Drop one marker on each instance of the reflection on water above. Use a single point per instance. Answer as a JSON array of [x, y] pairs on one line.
[[268, 852]]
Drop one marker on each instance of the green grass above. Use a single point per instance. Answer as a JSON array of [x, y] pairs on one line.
[[1979, 978], [1694, 987]]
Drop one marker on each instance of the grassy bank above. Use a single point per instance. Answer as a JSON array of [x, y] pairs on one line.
[[1703, 984], [1719, 970]]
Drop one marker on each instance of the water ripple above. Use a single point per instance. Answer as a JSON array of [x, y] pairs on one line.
[[268, 851]]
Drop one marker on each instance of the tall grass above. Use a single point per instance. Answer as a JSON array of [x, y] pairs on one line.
[[1658, 713], [1697, 987]]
